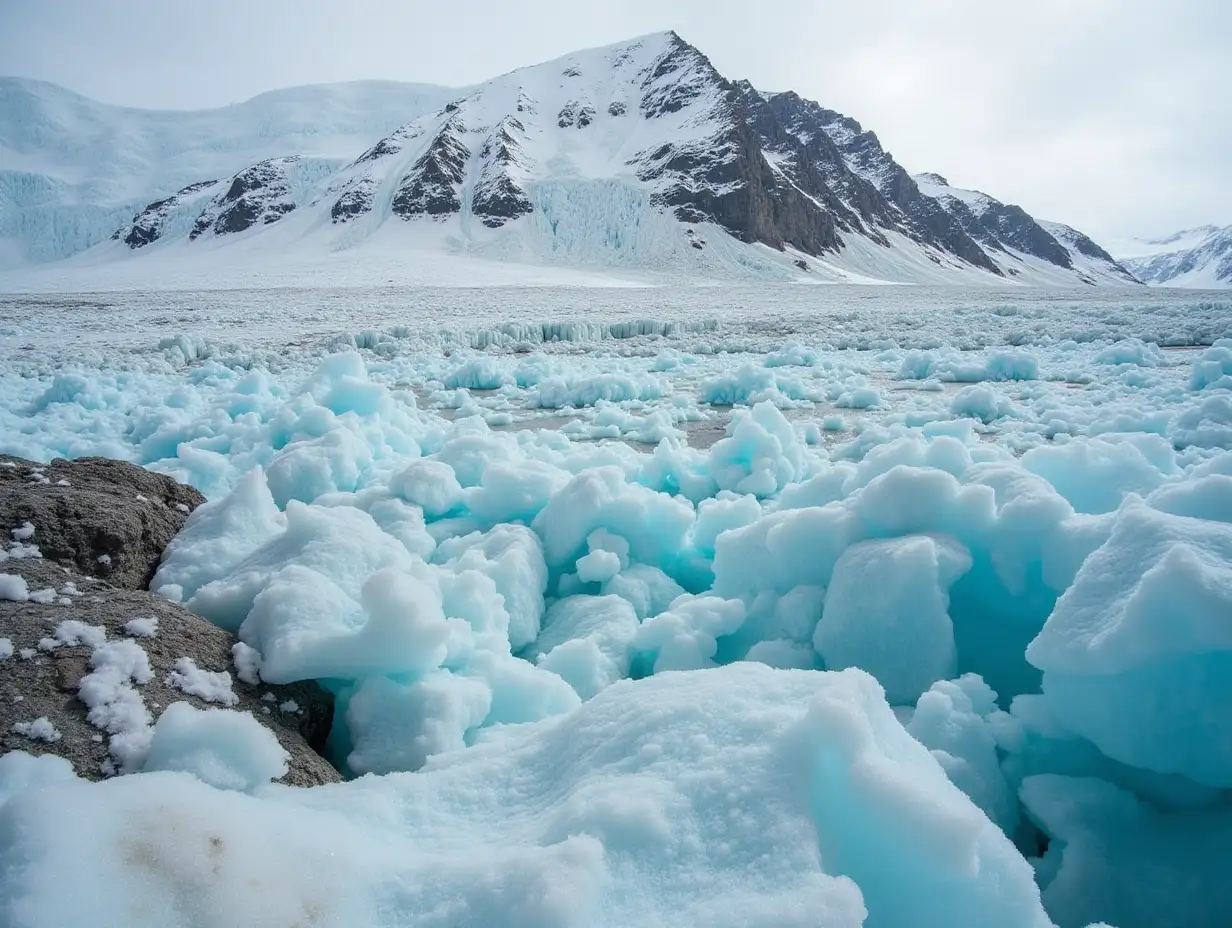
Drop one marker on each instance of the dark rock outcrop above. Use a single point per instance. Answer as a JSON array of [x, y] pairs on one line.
[[575, 113], [258, 194], [354, 201], [431, 186], [889, 198], [726, 179], [42, 683], [1014, 228], [676, 79], [358, 195], [85, 537], [812, 163], [1084, 245], [108, 519], [1010, 231], [497, 197], [390, 145], [149, 225], [732, 185]]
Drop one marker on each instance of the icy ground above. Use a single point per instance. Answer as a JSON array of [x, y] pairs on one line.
[[763, 607]]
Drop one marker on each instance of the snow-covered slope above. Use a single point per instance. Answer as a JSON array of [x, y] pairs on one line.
[[637, 158], [72, 170], [1198, 257], [1019, 243]]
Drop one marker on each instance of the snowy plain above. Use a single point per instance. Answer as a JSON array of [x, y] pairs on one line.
[[761, 605]]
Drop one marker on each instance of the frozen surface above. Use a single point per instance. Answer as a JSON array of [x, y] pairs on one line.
[[221, 747], [886, 610], [1146, 629], [1197, 257], [13, 588], [745, 796], [583, 569], [74, 170]]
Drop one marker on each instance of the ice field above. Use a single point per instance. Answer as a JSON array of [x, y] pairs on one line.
[[738, 606]]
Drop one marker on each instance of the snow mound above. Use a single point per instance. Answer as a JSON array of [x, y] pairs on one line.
[[745, 794], [221, 747], [1145, 632], [886, 611]]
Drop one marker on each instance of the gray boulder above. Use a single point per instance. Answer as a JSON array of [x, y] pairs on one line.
[[109, 519], [42, 682]]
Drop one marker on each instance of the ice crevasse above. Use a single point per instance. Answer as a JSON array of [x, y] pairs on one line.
[[926, 684]]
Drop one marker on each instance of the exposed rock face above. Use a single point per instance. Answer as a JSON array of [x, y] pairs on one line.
[[1084, 245], [497, 197], [679, 77], [42, 683], [813, 163], [725, 178], [1011, 235], [85, 537], [892, 199], [1012, 227], [743, 194], [575, 113], [149, 225], [354, 201], [431, 186], [258, 194], [108, 519], [390, 145]]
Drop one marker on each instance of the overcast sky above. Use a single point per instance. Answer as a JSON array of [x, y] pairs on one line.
[[1112, 115]]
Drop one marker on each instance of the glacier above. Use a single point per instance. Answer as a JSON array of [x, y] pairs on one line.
[[635, 613]]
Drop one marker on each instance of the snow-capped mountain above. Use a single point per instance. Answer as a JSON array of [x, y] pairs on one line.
[[1016, 242], [637, 157], [1198, 257], [72, 170]]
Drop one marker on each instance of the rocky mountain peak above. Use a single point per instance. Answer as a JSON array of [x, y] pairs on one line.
[[643, 141]]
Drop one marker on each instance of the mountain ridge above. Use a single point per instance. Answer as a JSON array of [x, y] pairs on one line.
[[1200, 256], [638, 154]]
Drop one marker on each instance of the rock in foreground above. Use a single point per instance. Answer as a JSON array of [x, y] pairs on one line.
[[109, 519], [89, 659], [41, 679]]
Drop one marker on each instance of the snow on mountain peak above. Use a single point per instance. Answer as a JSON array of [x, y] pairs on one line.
[[638, 154], [1197, 257], [1017, 240], [1195, 234]]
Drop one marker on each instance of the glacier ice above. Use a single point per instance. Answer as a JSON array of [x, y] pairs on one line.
[[747, 795], [582, 649], [1146, 630], [1115, 857], [886, 611]]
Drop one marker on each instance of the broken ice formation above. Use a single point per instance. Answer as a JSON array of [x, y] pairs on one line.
[[960, 660]]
